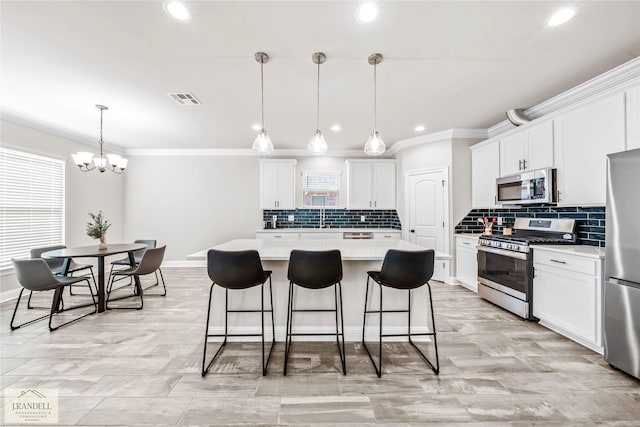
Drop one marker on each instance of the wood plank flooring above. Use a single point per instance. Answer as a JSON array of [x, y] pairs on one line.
[[143, 368]]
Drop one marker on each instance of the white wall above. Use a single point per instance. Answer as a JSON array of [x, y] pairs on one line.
[[84, 192]]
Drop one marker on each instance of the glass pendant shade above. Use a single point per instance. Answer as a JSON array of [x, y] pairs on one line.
[[317, 144], [100, 162], [262, 143], [375, 145], [82, 158]]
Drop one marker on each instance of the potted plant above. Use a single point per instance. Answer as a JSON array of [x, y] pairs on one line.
[[97, 228]]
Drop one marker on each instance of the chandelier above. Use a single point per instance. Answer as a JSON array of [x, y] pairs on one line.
[[83, 159]]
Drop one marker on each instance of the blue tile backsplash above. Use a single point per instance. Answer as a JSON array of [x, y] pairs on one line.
[[590, 222], [334, 218]]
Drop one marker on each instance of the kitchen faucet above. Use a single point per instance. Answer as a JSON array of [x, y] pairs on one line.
[[322, 224]]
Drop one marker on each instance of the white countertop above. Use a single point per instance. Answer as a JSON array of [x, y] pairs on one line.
[[471, 235], [351, 250], [581, 250], [328, 230]]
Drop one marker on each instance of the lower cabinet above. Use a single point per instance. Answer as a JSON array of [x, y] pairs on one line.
[[271, 235], [467, 262], [567, 295]]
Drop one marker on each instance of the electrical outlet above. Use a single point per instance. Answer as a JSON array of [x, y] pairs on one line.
[[361, 218], [499, 220], [291, 218]]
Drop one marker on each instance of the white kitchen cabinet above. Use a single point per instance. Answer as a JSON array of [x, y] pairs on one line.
[[371, 184], [277, 184], [633, 117], [528, 148], [485, 169], [467, 261], [567, 295], [388, 235], [583, 138], [321, 235]]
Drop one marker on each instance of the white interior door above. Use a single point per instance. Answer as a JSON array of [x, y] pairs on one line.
[[427, 210]]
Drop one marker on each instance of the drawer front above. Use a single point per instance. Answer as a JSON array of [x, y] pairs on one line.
[[467, 242], [567, 262], [387, 235], [320, 236], [277, 236]]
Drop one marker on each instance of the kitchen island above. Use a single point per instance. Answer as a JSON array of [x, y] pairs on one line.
[[358, 256]]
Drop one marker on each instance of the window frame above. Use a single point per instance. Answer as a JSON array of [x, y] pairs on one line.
[[333, 172]]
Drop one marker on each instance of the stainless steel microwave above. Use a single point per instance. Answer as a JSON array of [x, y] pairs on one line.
[[537, 186]]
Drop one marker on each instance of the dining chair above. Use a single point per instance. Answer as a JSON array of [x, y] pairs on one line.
[[403, 270], [56, 265], [237, 271], [137, 256], [316, 270], [149, 264], [35, 275]]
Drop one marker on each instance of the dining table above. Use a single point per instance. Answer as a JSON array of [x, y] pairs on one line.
[[95, 252]]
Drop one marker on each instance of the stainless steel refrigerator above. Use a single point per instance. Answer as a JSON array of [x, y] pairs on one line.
[[622, 271]]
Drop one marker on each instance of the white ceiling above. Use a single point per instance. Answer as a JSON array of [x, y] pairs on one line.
[[446, 65]]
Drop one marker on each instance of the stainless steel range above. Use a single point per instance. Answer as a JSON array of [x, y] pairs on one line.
[[505, 263]]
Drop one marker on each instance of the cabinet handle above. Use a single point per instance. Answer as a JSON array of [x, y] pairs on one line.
[[524, 164], [387, 237], [466, 243], [369, 203], [375, 204], [558, 195], [277, 237], [519, 165], [559, 262]]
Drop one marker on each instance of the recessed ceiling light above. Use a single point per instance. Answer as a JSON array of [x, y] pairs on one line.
[[366, 12], [176, 9], [561, 16], [256, 127], [419, 128], [336, 128]]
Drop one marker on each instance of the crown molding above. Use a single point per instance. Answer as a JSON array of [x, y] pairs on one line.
[[55, 130], [235, 152], [438, 136], [608, 81]]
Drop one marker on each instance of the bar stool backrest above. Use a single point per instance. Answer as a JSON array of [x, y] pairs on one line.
[[34, 274], [54, 263], [235, 269], [151, 260], [315, 269], [407, 269]]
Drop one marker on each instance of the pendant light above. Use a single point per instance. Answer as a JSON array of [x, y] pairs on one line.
[[375, 144], [262, 143], [83, 159], [317, 145]]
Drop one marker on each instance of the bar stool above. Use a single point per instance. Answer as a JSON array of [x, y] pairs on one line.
[[237, 271], [315, 270], [406, 271]]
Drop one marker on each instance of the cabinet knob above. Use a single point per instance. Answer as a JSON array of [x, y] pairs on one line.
[[412, 231]]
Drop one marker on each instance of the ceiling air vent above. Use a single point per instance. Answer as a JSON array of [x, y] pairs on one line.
[[185, 98]]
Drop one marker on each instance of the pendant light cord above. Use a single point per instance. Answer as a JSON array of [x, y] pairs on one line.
[[318, 100], [101, 111], [375, 97], [262, 92]]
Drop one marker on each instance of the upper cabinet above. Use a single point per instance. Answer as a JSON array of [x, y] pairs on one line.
[[277, 184], [527, 149], [584, 136], [371, 184], [485, 169]]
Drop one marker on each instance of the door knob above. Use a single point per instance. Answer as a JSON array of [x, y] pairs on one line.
[[413, 231]]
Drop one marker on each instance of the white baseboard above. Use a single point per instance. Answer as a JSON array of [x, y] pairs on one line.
[[9, 295], [351, 333]]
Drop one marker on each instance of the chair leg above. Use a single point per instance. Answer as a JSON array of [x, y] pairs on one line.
[[287, 340], [158, 281], [265, 364], [436, 368], [14, 327], [138, 292], [341, 352], [205, 369], [57, 297], [377, 368], [95, 285]]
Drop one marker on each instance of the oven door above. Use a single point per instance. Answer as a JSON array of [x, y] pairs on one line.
[[505, 271]]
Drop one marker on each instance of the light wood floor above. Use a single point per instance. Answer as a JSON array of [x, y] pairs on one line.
[[143, 368]]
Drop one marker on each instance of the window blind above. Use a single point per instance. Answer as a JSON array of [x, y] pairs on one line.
[[31, 203]]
